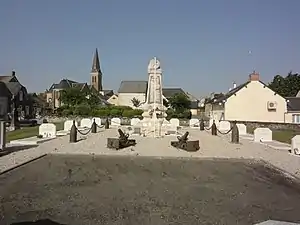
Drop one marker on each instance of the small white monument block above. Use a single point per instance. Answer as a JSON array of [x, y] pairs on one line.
[[262, 134], [242, 128], [68, 124], [115, 122], [296, 145], [86, 123], [174, 122], [134, 121], [97, 120], [224, 125], [47, 130], [194, 123]]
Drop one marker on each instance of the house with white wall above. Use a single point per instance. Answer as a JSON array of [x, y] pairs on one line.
[[138, 90], [252, 101]]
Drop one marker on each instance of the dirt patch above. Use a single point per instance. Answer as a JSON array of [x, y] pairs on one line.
[[139, 190]]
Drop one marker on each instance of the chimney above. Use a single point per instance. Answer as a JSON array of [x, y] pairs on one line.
[[13, 73], [254, 76], [234, 85]]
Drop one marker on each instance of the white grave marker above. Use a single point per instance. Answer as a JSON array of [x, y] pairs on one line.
[[86, 123], [194, 123], [296, 145], [242, 128], [174, 122], [262, 134], [134, 121], [47, 130], [224, 125], [68, 124], [115, 122]]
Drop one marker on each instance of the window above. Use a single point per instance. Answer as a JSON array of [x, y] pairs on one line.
[[296, 118]]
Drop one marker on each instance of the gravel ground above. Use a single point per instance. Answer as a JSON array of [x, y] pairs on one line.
[[210, 146], [77, 190]]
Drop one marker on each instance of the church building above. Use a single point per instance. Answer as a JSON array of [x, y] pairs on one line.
[[96, 84]]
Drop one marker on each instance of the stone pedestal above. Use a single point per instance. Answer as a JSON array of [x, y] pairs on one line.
[[154, 123]]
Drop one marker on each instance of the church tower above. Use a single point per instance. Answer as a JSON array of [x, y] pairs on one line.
[[96, 74]]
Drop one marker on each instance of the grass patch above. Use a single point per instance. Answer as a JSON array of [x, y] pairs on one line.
[[284, 136], [27, 132]]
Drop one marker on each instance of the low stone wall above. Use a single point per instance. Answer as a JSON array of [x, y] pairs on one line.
[[273, 126]]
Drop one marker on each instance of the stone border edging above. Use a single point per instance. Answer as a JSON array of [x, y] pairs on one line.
[[22, 164]]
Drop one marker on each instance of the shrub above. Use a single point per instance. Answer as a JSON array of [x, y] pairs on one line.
[[115, 112], [82, 110]]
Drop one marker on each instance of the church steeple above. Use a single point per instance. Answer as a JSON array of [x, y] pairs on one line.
[[96, 63], [96, 74]]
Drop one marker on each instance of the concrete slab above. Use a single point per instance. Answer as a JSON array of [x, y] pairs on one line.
[[31, 141]]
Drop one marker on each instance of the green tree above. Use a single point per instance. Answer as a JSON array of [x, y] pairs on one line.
[[286, 86], [72, 97], [136, 103], [179, 102]]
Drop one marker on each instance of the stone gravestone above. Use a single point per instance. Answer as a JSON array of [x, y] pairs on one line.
[[224, 125], [97, 120], [86, 123], [134, 121], [47, 130], [68, 124], [115, 122], [174, 122], [296, 145], [242, 128], [194, 123], [137, 131], [262, 134]]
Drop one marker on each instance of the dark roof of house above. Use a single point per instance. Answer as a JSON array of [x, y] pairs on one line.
[[233, 91], [7, 79], [63, 84], [293, 104], [4, 91], [133, 87], [108, 93], [14, 87], [78, 85], [169, 92]]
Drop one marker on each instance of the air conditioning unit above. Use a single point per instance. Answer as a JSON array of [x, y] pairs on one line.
[[272, 105]]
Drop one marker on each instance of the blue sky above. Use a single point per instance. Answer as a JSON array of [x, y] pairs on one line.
[[203, 45]]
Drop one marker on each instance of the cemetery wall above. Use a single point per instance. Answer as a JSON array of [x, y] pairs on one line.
[[273, 126]]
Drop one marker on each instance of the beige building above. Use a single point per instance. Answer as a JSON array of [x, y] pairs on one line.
[[252, 101], [129, 90]]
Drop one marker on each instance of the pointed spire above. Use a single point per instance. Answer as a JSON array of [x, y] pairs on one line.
[[96, 63]]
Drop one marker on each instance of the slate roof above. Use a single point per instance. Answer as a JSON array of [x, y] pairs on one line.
[[63, 84], [4, 91], [293, 104], [169, 92], [225, 96], [14, 87], [78, 85], [133, 87]]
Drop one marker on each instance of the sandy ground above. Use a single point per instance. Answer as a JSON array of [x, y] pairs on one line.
[[210, 146]]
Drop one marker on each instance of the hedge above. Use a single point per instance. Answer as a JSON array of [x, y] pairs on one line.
[[111, 111]]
